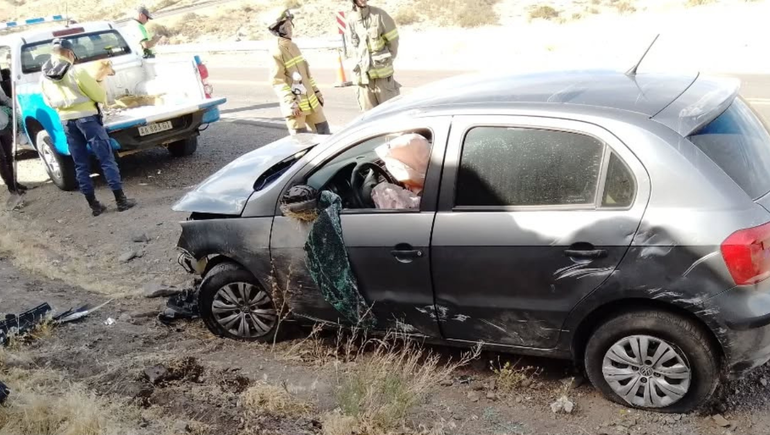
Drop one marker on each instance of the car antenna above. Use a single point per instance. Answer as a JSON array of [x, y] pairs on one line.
[[632, 71]]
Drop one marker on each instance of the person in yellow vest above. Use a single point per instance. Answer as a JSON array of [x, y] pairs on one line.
[[301, 100], [75, 96], [375, 38]]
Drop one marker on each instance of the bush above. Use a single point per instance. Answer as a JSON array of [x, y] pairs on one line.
[[544, 12], [468, 15], [406, 17], [625, 7], [698, 2], [161, 30]]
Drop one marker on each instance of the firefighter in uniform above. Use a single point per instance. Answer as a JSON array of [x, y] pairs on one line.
[[301, 100], [375, 37]]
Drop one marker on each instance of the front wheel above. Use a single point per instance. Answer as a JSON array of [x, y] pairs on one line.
[[184, 148], [233, 304], [653, 360], [60, 168]]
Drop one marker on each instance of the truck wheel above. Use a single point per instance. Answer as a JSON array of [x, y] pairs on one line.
[[653, 360], [184, 148], [60, 168], [233, 304]]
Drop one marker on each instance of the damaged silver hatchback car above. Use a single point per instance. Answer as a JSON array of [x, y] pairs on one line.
[[617, 220]]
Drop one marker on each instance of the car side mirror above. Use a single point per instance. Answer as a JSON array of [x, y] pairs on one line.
[[300, 202]]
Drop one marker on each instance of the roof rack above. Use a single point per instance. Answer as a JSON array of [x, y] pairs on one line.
[[12, 25]]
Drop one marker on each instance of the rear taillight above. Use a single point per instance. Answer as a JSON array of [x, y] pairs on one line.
[[204, 73], [747, 254]]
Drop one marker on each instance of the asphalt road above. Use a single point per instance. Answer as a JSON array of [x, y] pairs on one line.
[[252, 100]]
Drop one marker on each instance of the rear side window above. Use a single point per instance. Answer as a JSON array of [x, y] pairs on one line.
[[619, 189], [738, 142], [526, 167], [87, 47]]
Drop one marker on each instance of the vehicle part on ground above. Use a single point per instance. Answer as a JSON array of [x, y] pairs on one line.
[[183, 148], [235, 305], [653, 360], [329, 265], [301, 203], [60, 168], [14, 325], [77, 313], [182, 305]]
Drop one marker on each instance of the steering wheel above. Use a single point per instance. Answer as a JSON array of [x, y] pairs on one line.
[[362, 191]]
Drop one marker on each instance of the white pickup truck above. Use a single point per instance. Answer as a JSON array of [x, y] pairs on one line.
[[152, 102]]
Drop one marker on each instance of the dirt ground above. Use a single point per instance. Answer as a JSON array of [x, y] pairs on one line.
[[57, 253]]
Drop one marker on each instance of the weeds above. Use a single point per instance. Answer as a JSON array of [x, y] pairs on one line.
[[292, 4], [510, 376], [384, 387], [624, 7], [406, 16], [276, 401], [693, 3], [544, 12]]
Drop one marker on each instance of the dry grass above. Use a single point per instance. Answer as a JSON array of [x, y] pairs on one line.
[[406, 16], [449, 13], [693, 3], [44, 402], [508, 377], [384, 386], [544, 12], [275, 401], [624, 7]]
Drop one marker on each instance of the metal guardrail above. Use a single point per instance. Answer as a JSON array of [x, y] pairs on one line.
[[245, 46]]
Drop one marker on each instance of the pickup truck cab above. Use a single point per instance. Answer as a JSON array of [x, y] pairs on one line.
[[176, 99]]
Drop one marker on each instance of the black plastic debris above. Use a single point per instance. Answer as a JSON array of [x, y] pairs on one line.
[[4, 393], [183, 306], [14, 325], [77, 313]]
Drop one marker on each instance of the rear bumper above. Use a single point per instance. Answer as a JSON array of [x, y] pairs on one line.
[[744, 313], [129, 139]]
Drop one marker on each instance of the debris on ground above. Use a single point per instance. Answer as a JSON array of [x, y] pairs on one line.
[[141, 238], [155, 290], [156, 374], [14, 325], [4, 393], [128, 256], [110, 321], [720, 420], [75, 314], [563, 405], [181, 306]]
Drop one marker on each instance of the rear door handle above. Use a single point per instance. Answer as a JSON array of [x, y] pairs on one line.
[[405, 253], [591, 253]]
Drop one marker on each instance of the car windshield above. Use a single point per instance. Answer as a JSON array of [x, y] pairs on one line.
[[88, 47], [739, 143]]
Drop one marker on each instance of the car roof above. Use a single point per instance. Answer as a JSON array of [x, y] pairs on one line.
[[45, 32], [649, 94]]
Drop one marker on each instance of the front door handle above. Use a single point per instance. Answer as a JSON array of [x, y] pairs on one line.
[[405, 253], [590, 253]]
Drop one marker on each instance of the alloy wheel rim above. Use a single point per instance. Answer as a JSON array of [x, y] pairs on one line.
[[244, 310]]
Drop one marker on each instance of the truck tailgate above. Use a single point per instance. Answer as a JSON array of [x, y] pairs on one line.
[[139, 116]]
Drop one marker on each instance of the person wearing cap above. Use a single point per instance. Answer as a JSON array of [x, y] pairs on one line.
[[75, 96], [6, 146], [374, 35], [143, 38], [301, 100]]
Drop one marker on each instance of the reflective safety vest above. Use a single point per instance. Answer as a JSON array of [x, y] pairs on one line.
[[375, 36], [287, 62], [73, 96]]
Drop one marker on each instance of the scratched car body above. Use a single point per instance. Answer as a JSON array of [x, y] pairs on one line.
[[617, 220]]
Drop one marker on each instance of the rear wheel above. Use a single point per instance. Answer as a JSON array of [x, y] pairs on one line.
[[233, 304], [653, 360], [60, 168], [184, 148]]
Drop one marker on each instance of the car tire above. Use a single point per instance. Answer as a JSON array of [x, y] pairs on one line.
[[226, 283], [183, 148], [60, 168], [694, 356]]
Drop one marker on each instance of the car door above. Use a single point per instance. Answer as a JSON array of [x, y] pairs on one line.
[[387, 249], [529, 223]]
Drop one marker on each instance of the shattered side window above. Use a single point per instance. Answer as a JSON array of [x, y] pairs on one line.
[[526, 167]]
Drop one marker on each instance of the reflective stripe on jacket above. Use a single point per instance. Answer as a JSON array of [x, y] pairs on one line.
[[375, 36], [287, 59]]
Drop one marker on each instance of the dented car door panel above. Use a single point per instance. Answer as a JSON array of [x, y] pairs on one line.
[[511, 275]]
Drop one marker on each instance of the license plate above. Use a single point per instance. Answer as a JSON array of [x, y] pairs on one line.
[[155, 128]]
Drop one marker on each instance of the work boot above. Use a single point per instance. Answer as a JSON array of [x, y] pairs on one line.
[[21, 188], [123, 202], [97, 207]]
